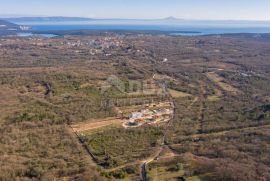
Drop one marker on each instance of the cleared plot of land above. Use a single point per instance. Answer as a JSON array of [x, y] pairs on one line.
[[97, 124], [165, 77], [177, 94], [161, 173], [175, 168], [213, 98], [220, 82]]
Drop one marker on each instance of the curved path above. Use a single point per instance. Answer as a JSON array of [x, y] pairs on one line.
[[147, 161]]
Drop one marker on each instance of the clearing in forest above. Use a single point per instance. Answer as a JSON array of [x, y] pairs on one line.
[[97, 124], [177, 94], [220, 82]]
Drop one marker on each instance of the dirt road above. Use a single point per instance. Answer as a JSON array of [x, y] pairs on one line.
[[147, 161]]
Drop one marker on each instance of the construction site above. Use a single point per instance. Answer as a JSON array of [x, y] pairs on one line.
[[151, 114], [132, 117]]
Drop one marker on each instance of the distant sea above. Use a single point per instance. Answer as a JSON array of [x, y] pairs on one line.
[[175, 29]]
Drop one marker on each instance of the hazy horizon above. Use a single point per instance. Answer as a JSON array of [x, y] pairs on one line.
[[6, 16], [243, 10]]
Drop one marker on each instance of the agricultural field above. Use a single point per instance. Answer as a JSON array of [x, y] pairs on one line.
[[64, 101]]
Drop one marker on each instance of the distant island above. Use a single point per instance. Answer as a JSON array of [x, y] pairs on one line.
[[5, 25], [46, 19], [8, 28]]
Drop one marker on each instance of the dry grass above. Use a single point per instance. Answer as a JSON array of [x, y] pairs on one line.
[[95, 125], [222, 65], [9, 102], [161, 174], [96, 83], [213, 98], [219, 81], [177, 94], [165, 77]]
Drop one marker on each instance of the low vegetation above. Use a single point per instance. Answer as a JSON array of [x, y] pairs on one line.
[[219, 86], [115, 147]]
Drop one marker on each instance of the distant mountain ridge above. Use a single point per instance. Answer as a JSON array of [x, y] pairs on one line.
[[63, 18], [48, 19], [169, 21], [171, 18]]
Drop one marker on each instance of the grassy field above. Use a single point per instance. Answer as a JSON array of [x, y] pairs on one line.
[[162, 174], [220, 82], [177, 94]]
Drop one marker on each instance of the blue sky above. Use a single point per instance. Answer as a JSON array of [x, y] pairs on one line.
[[186, 9]]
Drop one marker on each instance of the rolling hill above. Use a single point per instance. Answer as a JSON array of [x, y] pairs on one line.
[[5, 25], [8, 28]]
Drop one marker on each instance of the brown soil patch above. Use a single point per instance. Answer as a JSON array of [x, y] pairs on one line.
[[97, 124]]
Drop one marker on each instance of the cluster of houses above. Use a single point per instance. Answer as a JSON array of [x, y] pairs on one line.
[[98, 43], [147, 116]]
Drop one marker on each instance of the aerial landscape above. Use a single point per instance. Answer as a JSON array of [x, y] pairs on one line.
[[134, 97]]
